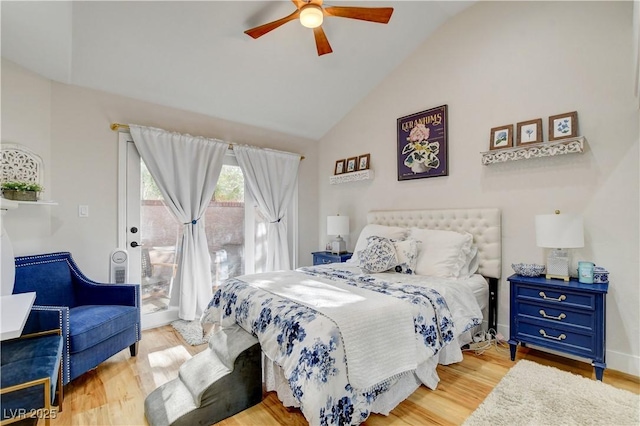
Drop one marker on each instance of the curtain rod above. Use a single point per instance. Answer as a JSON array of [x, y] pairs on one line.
[[117, 127]]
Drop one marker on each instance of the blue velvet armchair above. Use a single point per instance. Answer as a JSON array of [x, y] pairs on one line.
[[97, 320]]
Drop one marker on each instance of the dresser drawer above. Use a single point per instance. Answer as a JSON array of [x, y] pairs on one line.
[[562, 339], [554, 296], [324, 257], [557, 315], [320, 259]]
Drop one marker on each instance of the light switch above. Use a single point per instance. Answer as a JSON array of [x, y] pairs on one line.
[[83, 211]]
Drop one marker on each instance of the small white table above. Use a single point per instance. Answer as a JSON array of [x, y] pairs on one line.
[[14, 311]]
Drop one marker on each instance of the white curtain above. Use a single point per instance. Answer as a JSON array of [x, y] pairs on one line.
[[270, 177], [186, 170]]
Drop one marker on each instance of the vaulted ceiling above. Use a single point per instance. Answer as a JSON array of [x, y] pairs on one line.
[[194, 55]]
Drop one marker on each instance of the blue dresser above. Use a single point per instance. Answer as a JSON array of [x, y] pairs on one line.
[[322, 257], [565, 317]]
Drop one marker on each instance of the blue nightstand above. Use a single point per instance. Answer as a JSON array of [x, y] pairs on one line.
[[566, 317], [322, 257]]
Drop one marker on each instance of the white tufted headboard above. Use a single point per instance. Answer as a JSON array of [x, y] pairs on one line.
[[483, 224]]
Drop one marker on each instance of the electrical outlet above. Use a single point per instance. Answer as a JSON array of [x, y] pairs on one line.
[[83, 211]]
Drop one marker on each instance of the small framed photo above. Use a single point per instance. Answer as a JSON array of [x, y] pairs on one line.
[[563, 126], [352, 164], [363, 161], [339, 169], [501, 137], [529, 131]]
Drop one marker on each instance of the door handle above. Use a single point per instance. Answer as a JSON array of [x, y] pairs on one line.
[[134, 244]]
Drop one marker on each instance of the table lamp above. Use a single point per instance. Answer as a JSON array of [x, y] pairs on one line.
[[338, 225], [559, 232]]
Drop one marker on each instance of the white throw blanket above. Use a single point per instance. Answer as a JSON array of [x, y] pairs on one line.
[[377, 331]]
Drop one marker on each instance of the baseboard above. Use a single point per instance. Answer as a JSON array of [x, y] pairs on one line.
[[624, 363]]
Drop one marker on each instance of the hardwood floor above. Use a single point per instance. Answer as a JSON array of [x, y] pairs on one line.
[[114, 393]]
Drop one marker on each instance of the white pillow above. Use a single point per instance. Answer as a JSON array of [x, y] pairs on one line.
[[407, 254], [378, 256], [441, 253], [390, 232], [472, 263]]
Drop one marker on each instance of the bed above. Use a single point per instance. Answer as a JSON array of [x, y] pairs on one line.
[[342, 341]]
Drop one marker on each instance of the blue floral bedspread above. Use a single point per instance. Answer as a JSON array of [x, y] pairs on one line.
[[308, 347]]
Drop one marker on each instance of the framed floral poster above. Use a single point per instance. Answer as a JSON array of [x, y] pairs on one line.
[[501, 137], [363, 161], [352, 164], [339, 169], [422, 144], [529, 131], [563, 126]]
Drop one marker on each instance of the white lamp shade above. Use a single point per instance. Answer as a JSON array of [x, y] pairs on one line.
[[337, 225], [311, 16], [559, 231]]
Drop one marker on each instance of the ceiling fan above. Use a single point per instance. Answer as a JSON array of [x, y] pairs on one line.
[[311, 14]]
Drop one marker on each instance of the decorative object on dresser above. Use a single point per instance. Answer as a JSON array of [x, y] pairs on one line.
[[338, 225], [559, 232], [501, 137], [600, 275], [324, 257], [339, 168], [423, 144], [528, 269], [529, 132], [585, 272], [565, 317], [563, 126], [363, 161]]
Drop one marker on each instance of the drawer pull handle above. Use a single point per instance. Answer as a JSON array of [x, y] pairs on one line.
[[560, 337], [559, 317], [559, 299]]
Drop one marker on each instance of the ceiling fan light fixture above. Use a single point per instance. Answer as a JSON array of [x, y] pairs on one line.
[[311, 15]]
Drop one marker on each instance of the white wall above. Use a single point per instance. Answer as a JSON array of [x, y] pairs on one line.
[[499, 63], [69, 126], [26, 120]]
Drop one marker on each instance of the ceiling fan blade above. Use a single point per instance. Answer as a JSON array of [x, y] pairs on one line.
[[371, 14], [322, 44], [263, 29]]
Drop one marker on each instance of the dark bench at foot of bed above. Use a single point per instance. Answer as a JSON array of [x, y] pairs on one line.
[[217, 383]]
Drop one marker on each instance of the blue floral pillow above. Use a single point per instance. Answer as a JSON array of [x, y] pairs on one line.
[[378, 256], [407, 255]]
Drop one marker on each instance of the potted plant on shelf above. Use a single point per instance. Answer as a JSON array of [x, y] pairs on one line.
[[20, 190]]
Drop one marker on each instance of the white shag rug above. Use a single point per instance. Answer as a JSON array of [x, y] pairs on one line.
[[191, 331], [534, 394]]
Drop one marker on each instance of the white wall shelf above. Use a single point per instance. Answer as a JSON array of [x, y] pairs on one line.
[[39, 202], [351, 177], [534, 150]]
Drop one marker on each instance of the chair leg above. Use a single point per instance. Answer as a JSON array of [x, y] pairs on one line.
[[134, 349]]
